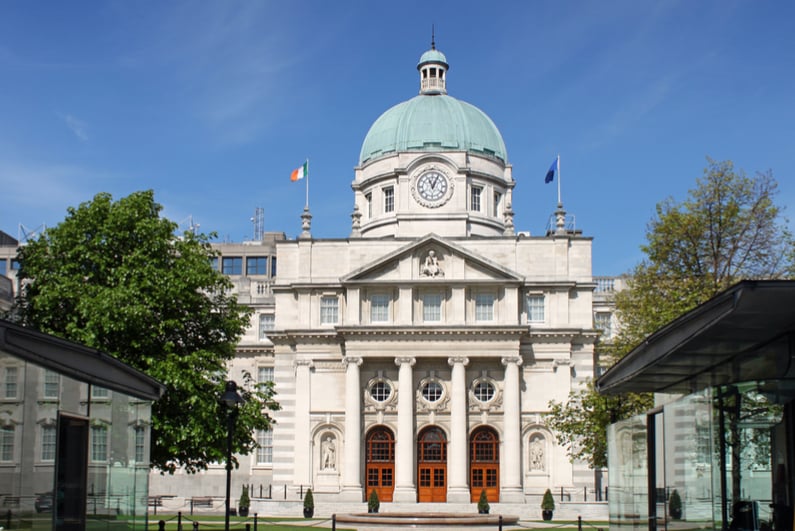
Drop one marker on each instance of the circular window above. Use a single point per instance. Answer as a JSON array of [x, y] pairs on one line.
[[380, 391], [483, 391], [432, 391]]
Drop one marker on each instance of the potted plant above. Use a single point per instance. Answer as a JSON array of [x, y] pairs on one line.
[[483, 503], [309, 504], [373, 503], [675, 505], [244, 503], [547, 505]]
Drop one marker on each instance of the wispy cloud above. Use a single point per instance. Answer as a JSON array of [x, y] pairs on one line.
[[78, 127]]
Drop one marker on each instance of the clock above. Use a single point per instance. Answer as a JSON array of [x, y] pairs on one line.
[[432, 185]]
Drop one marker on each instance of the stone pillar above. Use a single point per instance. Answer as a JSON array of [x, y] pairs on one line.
[[303, 439], [405, 461], [511, 473], [351, 475], [457, 464]]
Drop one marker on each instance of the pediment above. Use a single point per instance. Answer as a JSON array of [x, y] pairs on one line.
[[432, 259]]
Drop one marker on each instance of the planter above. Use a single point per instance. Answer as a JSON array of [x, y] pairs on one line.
[[546, 514], [309, 512], [242, 511], [676, 514], [483, 511], [372, 510]]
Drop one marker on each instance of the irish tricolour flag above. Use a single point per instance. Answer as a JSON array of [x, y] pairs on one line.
[[301, 172]]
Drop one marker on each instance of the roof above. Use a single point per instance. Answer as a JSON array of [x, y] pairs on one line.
[[432, 56], [77, 361], [433, 123], [744, 333]]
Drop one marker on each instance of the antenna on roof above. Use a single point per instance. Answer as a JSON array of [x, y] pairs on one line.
[[433, 39]]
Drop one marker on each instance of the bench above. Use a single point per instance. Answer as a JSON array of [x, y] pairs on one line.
[[201, 501], [11, 501], [155, 501]]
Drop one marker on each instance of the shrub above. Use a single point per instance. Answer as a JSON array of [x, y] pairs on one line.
[[309, 500], [483, 502], [373, 503], [245, 501], [548, 502], [675, 504]]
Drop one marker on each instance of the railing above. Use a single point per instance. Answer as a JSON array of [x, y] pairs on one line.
[[605, 284], [431, 83]]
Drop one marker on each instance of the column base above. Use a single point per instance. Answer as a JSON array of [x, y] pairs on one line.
[[511, 495], [458, 495], [404, 495], [351, 494]]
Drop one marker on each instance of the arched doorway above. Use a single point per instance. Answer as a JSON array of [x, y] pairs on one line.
[[484, 464], [432, 465], [380, 463]]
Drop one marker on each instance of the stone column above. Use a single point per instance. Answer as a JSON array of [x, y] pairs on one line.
[[511, 473], [405, 461], [303, 442], [457, 464], [351, 475]]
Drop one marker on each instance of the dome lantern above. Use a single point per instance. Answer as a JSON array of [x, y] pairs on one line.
[[433, 71]]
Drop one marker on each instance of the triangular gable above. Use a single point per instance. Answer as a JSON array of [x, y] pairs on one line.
[[409, 262]]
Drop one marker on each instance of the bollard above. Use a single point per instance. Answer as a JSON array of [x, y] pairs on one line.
[[161, 525], [8, 519], [255, 521], [285, 491], [195, 525], [500, 522], [248, 526], [179, 520], [579, 523], [585, 493], [334, 522]]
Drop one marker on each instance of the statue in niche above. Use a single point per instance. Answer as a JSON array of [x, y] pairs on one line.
[[431, 268], [328, 460], [537, 454]]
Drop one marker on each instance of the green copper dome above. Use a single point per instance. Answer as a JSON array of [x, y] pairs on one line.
[[432, 56], [433, 123]]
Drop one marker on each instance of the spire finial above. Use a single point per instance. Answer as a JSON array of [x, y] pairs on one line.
[[433, 39]]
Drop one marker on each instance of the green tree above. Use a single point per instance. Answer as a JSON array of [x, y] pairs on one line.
[[729, 228], [115, 276]]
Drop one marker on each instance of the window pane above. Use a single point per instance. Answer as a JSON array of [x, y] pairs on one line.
[[265, 450], [266, 324], [98, 392], [535, 308], [484, 307], [232, 265], [214, 262], [10, 382], [7, 443], [380, 391], [47, 443], [99, 443], [3, 266], [329, 310], [264, 374], [389, 199], [140, 441], [497, 199], [257, 265], [273, 266], [603, 322], [475, 199], [432, 307], [379, 308], [432, 391], [483, 391], [52, 382]]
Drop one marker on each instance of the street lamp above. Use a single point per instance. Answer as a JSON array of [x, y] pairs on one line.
[[230, 400]]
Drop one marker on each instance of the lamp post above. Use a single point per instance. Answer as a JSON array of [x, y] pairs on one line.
[[230, 401]]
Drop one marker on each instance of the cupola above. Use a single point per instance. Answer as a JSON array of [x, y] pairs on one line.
[[433, 71]]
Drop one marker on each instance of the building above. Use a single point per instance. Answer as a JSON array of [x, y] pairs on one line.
[[74, 434], [718, 450], [416, 355]]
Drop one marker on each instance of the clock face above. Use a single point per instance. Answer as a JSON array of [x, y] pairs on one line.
[[432, 185]]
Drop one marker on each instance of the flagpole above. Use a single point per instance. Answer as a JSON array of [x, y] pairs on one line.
[[559, 202], [307, 182]]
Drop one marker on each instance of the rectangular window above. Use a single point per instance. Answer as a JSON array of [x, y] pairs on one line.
[[266, 324], [52, 383], [214, 262], [273, 266], [474, 203], [389, 199], [232, 265], [15, 264], [257, 265], [497, 199], [432, 307], [379, 308], [329, 310], [10, 382], [484, 307], [369, 200], [7, 443], [99, 443], [264, 375], [265, 447], [535, 308], [3, 266], [48, 443], [99, 392], [603, 321], [139, 434]]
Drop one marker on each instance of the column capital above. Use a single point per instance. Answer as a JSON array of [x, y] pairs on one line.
[[304, 363], [507, 360], [405, 360], [458, 359], [352, 360]]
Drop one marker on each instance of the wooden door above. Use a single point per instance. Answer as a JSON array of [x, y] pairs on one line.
[[380, 463], [432, 466], [484, 464]]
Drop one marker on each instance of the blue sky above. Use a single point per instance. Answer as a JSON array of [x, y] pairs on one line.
[[211, 104]]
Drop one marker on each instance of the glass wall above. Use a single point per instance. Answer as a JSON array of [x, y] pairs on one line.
[[628, 494], [53, 429]]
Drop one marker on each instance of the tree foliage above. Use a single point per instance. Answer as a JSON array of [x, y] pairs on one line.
[[729, 228], [114, 276]]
